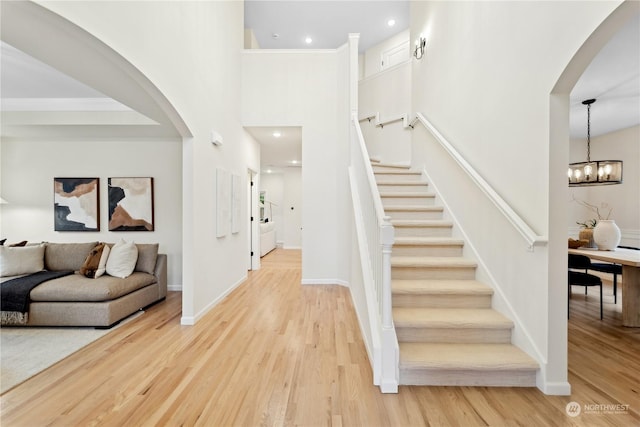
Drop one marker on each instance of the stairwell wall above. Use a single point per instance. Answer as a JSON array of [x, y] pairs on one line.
[[388, 93], [306, 88], [485, 83]]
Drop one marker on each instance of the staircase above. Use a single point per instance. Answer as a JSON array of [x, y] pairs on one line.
[[447, 332]]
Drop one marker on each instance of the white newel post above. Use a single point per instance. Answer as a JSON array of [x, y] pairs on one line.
[[390, 371]]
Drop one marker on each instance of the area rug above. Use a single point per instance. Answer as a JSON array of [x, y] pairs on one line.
[[26, 351]]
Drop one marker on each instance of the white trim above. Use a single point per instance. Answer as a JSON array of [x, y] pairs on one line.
[[290, 51], [556, 388], [62, 104], [174, 288], [289, 247], [191, 320], [374, 348], [325, 282], [386, 70]]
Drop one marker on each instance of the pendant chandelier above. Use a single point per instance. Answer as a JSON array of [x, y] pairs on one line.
[[599, 172]]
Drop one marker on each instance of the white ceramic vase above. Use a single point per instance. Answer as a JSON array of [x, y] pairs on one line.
[[606, 235]]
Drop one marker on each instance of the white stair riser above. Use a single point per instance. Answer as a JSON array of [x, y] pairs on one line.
[[427, 250], [400, 188], [408, 201], [466, 377], [442, 300], [459, 334], [408, 177], [415, 273], [440, 231], [421, 215]]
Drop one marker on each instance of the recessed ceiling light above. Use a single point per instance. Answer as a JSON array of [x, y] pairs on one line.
[[391, 22], [295, 162], [277, 134], [308, 40]]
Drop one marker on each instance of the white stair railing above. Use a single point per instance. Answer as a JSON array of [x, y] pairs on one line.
[[376, 235]]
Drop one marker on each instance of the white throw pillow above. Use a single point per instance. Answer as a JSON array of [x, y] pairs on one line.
[[15, 261], [102, 264], [122, 259]]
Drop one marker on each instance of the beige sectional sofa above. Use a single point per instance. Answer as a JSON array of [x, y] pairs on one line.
[[76, 300]]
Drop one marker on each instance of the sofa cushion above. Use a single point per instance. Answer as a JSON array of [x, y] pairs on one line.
[[122, 259], [92, 262], [20, 260], [102, 264], [79, 288], [66, 256], [147, 256]]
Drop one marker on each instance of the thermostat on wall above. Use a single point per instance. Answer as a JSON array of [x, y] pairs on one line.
[[216, 138]]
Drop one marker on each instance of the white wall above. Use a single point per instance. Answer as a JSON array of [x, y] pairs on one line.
[[389, 94], [485, 83], [301, 88], [191, 52], [28, 169], [624, 198], [372, 58], [284, 189]]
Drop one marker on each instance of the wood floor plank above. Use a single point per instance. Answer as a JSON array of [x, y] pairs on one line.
[[276, 353]]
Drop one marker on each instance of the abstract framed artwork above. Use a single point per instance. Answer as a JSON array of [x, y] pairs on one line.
[[131, 204], [76, 204]]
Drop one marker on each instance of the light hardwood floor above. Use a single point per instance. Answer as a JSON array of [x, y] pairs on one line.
[[278, 353]]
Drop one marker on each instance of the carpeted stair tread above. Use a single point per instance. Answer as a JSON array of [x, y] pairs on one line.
[[407, 194], [439, 287], [435, 262], [427, 241], [413, 208], [403, 183], [421, 223], [496, 357], [472, 318]]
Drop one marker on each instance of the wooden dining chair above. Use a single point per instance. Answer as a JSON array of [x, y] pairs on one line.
[[578, 278]]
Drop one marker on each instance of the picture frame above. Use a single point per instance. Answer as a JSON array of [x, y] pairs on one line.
[[131, 204], [76, 204]]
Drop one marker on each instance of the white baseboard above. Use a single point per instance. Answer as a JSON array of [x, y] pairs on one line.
[[291, 247], [556, 389], [325, 282], [174, 288], [191, 320]]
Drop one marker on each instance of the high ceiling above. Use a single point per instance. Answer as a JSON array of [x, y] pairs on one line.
[[613, 78], [287, 24]]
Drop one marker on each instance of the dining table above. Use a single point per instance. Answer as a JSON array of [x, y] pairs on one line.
[[630, 261]]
